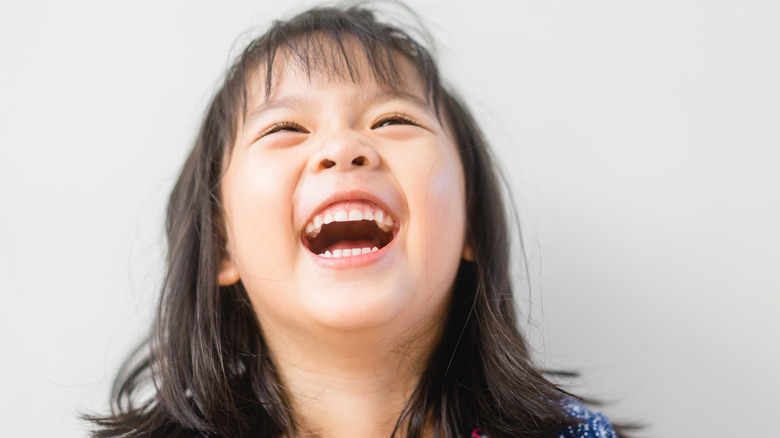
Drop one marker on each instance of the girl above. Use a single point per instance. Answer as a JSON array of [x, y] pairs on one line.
[[338, 259]]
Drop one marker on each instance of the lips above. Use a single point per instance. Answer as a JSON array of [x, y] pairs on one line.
[[349, 228]]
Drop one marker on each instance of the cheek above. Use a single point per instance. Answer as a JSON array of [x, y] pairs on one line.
[[445, 198], [440, 203], [257, 196]]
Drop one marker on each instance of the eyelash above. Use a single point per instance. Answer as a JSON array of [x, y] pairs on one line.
[[285, 125], [406, 120], [281, 126]]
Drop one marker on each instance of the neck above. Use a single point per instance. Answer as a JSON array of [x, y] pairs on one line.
[[351, 384]]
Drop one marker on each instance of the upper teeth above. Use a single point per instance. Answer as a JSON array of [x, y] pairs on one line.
[[349, 212]]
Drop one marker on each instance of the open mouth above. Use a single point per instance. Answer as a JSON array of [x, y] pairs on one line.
[[348, 229]]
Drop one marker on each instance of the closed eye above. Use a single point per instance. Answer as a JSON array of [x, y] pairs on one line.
[[394, 119], [283, 126]]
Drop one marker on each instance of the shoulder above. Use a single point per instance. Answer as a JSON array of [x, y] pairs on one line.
[[585, 423], [588, 423]]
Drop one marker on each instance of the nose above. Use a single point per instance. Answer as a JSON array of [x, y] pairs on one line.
[[342, 153]]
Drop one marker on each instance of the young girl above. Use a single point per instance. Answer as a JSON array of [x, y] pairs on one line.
[[338, 259]]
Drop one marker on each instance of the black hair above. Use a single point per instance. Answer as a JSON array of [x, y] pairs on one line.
[[205, 368]]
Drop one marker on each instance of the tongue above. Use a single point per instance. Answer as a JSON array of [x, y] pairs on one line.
[[349, 244]]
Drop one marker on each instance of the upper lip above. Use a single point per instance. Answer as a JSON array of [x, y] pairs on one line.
[[352, 195]]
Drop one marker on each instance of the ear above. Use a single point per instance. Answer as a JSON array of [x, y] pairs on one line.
[[468, 253], [228, 272]]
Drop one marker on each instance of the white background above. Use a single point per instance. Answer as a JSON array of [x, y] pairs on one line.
[[642, 139]]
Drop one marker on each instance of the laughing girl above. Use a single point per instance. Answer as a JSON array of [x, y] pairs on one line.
[[338, 259]]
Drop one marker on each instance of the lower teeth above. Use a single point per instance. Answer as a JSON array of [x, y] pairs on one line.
[[338, 253]]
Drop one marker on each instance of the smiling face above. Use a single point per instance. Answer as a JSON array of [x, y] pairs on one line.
[[344, 205]]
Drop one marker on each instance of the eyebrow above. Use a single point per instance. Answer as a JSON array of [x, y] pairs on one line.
[[383, 95], [392, 94], [288, 102]]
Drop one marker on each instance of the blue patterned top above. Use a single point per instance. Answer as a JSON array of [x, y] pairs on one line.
[[590, 424]]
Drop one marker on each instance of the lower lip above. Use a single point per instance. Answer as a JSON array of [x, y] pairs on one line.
[[355, 261]]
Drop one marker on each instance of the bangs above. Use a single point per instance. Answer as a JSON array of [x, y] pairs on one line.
[[346, 45], [336, 56]]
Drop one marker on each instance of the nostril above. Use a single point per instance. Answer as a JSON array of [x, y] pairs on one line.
[[326, 163], [359, 161]]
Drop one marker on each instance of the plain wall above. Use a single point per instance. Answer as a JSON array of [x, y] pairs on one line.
[[641, 140]]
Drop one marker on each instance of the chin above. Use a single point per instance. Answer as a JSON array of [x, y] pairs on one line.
[[356, 308], [390, 314]]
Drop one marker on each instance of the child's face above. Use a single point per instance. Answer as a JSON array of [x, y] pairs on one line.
[[320, 149]]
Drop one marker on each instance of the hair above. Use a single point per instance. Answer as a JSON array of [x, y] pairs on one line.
[[205, 369]]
